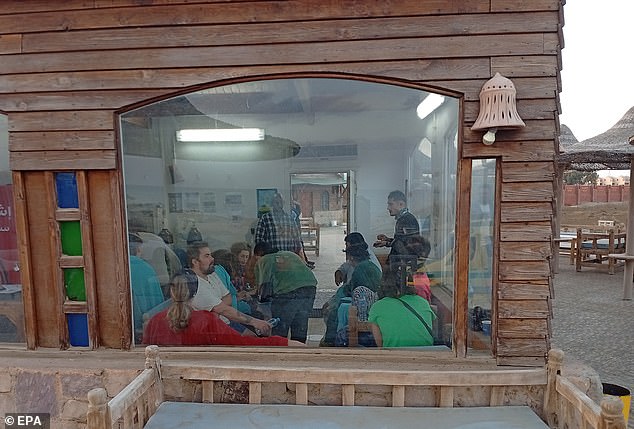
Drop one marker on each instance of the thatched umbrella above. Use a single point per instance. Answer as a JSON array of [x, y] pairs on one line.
[[568, 142], [607, 151], [613, 149], [566, 138]]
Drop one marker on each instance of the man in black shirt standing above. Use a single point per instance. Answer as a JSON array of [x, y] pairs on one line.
[[405, 228]]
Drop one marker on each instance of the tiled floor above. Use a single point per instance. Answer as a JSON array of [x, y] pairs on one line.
[[330, 257]]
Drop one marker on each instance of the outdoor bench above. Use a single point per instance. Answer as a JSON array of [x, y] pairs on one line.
[[142, 404], [595, 249]]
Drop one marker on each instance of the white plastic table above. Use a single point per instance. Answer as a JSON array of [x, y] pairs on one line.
[[181, 415]]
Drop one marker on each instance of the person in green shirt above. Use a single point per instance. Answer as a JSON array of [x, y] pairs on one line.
[[393, 323], [293, 289]]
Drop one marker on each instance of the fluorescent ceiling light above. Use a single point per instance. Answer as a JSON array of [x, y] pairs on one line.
[[220, 135], [429, 104]]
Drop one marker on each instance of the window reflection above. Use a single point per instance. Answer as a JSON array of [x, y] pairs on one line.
[[334, 149], [11, 307], [481, 253]]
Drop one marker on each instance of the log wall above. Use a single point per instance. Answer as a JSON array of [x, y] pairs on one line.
[[68, 67]]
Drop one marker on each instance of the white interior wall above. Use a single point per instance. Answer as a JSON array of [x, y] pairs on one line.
[[382, 164]]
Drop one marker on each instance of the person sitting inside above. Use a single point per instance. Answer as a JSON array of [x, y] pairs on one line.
[[241, 252], [343, 274], [400, 318], [146, 288], [225, 265], [212, 293], [364, 273], [362, 299], [243, 277], [419, 246], [181, 325]]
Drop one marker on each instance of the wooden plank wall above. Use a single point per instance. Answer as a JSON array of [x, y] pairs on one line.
[[67, 67]]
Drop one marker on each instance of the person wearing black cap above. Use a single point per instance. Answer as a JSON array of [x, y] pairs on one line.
[[363, 273], [344, 272]]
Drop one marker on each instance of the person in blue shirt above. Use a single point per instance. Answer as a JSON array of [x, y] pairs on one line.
[[146, 288]]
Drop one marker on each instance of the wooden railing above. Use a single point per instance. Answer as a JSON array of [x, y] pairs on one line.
[[135, 404], [564, 404]]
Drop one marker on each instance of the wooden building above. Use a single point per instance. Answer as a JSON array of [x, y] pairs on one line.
[[76, 76]]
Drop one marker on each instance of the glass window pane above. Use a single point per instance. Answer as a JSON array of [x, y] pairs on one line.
[[70, 232], [11, 307], [481, 253], [74, 283], [78, 329], [66, 185], [304, 160]]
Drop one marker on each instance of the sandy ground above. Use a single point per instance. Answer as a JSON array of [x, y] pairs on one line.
[[589, 214]]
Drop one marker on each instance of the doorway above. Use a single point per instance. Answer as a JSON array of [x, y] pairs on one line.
[[326, 213]]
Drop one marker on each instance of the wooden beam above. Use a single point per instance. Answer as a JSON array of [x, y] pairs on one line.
[[22, 232], [271, 374]]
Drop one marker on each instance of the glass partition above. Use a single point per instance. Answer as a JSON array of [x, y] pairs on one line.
[[299, 160], [11, 307]]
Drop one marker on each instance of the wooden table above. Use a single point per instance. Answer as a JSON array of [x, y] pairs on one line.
[[177, 415]]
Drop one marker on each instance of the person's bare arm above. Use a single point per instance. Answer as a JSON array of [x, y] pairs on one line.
[[227, 300], [234, 315], [376, 332]]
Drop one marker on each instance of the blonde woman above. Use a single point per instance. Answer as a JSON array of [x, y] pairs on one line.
[[181, 325]]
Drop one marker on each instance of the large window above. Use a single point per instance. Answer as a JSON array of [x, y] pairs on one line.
[[209, 165]]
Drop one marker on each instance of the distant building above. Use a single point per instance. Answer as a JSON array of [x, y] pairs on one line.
[[622, 180], [613, 181]]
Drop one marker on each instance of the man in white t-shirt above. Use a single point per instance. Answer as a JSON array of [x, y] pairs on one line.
[[212, 294]]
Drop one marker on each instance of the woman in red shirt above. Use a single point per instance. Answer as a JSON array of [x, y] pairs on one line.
[[181, 325]]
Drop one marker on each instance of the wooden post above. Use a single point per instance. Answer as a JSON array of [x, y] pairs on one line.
[[353, 327], [98, 416], [628, 273], [398, 396], [153, 361], [347, 394], [555, 362], [612, 414], [559, 197], [208, 391], [579, 244], [255, 392], [301, 394]]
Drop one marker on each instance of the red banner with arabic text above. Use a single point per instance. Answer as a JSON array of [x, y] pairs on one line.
[[9, 264]]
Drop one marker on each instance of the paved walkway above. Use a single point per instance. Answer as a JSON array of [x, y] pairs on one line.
[[593, 324]]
